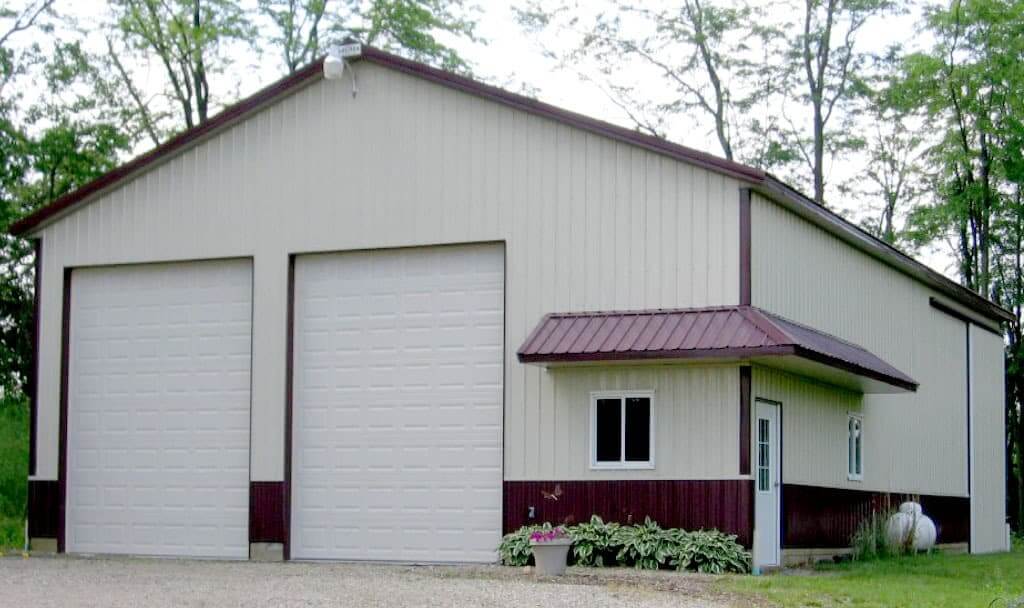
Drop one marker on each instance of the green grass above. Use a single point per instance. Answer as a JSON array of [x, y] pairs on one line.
[[936, 580], [13, 472]]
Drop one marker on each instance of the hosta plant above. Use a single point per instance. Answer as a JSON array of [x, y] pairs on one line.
[[709, 551], [515, 546], [594, 543], [646, 546]]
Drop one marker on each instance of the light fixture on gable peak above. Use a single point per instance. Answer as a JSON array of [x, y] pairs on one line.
[[336, 62]]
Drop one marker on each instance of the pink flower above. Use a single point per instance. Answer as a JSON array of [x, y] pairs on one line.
[[543, 536]]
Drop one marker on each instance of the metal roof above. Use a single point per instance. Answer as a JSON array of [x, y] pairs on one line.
[[727, 332]]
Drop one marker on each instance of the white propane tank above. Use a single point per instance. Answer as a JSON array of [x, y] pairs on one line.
[[910, 517]]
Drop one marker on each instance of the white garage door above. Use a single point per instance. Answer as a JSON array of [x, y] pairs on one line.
[[158, 409], [398, 405]]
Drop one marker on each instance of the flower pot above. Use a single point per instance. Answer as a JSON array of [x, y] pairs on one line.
[[549, 555]]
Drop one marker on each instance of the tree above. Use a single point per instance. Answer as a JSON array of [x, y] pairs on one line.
[[303, 29], [189, 41], [47, 148], [894, 179], [825, 68], [711, 58], [971, 84]]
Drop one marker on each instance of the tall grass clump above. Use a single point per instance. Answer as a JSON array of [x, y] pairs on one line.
[[871, 541]]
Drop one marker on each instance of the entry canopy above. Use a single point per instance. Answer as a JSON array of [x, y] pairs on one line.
[[723, 334]]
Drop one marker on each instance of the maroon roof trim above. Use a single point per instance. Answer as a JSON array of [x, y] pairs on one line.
[[527, 104], [726, 332], [764, 183]]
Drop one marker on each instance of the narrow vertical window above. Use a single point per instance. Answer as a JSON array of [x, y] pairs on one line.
[[855, 447], [622, 430], [763, 455]]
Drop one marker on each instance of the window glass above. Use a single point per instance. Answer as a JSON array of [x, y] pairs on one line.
[[763, 455], [609, 430], [638, 429], [855, 450]]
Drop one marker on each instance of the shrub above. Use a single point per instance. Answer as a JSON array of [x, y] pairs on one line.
[[711, 552], [594, 543], [515, 546]]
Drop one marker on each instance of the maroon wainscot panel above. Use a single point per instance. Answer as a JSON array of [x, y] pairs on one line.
[[815, 517], [43, 508], [726, 505], [266, 512]]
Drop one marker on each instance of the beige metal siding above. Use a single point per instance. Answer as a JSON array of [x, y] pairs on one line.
[[814, 427], [915, 442], [589, 224], [988, 438], [696, 417]]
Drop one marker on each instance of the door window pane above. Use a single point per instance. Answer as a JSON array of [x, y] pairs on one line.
[[763, 455]]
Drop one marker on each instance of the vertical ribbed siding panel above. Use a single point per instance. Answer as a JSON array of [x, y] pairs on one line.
[[913, 442], [988, 455], [695, 421], [590, 224], [814, 419]]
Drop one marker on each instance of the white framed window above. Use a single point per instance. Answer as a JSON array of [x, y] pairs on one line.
[[622, 430], [855, 447]]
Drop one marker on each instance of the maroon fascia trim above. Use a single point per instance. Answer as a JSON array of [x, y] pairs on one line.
[[907, 385], [587, 123], [289, 375], [33, 393], [266, 511], [689, 504], [62, 462], [745, 438], [816, 517], [764, 183], [43, 508], [745, 248]]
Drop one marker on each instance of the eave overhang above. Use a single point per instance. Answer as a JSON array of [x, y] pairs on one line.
[[709, 335]]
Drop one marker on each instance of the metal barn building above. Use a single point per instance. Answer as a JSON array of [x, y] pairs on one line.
[[392, 324]]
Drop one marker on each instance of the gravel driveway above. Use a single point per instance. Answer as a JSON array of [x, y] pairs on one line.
[[73, 582]]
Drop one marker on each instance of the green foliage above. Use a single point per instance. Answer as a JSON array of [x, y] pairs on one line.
[[710, 552], [414, 28], [594, 542], [937, 580], [645, 546], [14, 422], [515, 550], [870, 540]]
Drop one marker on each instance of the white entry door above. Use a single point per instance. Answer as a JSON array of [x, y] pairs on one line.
[[767, 486], [158, 409], [397, 405]]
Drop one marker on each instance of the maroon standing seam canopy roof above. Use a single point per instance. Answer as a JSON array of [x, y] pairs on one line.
[[730, 332]]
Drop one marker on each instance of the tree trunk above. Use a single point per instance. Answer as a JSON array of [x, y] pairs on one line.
[[819, 155]]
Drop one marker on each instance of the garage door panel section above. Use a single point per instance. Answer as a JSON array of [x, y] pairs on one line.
[[158, 409], [398, 404]]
